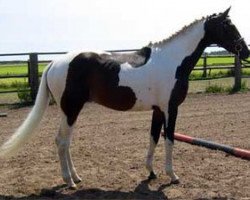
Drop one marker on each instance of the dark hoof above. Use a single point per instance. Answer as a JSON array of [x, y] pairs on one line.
[[152, 176], [77, 181], [175, 182]]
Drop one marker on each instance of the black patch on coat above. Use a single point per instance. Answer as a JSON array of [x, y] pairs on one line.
[[178, 95], [135, 59], [93, 78], [158, 119], [180, 89], [183, 71]]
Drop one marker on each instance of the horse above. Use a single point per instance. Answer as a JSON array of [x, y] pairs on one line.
[[152, 78]]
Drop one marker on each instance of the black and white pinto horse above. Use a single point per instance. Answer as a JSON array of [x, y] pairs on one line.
[[155, 77]]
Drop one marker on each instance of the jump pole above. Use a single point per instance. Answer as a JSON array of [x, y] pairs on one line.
[[245, 154]]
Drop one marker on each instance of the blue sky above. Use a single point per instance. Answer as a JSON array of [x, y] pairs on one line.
[[65, 25]]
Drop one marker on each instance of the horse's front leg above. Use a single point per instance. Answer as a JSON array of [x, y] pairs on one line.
[[169, 128], [156, 126]]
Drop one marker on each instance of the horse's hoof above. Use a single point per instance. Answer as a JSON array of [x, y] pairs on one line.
[[175, 182], [72, 187], [78, 180], [152, 176]]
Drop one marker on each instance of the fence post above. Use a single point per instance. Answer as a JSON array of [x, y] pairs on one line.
[[204, 75], [237, 74], [33, 75]]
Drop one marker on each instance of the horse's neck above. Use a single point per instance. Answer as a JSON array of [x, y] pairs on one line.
[[186, 44]]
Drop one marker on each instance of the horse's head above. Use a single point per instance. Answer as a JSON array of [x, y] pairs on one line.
[[221, 31]]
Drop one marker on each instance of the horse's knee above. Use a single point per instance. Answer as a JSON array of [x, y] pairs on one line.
[[149, 163], [58, 141], [63, 137]]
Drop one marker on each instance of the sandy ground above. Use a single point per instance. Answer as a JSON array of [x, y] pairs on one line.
[[109, 150]]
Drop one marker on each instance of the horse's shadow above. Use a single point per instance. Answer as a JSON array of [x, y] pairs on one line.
[[142, 191]]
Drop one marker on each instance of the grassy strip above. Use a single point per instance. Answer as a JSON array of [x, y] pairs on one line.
[[13, 69], [216, 61], [23, 68], [18, 69], [14, 83], [225, 83], [214, 88], [215, 73], [209, 86]]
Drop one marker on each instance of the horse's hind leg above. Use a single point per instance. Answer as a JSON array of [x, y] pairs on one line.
[[72, 169], [63, 141]]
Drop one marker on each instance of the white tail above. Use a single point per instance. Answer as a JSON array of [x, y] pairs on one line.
[[24, 132]]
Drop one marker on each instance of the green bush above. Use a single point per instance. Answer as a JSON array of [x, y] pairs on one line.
[[24, 97], [24, 94], [220, 89], [214, 89], [244, 87]]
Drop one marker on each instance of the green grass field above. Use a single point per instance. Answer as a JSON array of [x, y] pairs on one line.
[[16, 83], [18, 69], [217, 61], [13, 69]]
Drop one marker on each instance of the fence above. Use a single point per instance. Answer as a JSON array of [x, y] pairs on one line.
[[33, 75], [236, 67], [32, 64]]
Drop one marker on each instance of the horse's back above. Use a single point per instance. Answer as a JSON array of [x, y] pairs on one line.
[[136, 59]]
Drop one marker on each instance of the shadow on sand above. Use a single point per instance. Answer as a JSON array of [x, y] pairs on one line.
[[142, 191]]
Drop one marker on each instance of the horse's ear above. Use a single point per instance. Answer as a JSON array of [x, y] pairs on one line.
[[225, 14]]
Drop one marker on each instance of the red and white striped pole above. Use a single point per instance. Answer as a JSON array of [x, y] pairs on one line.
[[245, 154]]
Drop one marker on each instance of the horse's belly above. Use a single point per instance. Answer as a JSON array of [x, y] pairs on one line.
[[123, 98], [144, 101]]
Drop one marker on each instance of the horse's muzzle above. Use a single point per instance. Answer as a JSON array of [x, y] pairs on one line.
[[241, 48], [244, 54]]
